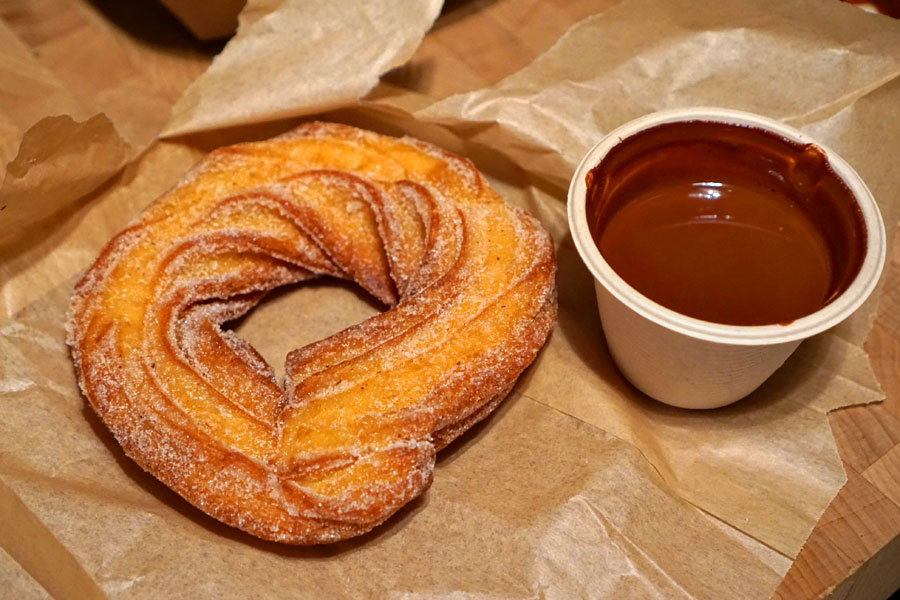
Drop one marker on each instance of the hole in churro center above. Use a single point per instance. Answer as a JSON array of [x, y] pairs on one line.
[[295, 315]]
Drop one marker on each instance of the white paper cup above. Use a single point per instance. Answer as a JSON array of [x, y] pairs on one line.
[[688, 362]]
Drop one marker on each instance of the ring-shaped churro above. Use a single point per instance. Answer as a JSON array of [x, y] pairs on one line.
[[352, 435]]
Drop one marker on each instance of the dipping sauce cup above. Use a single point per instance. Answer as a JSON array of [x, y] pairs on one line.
[[718, 241]]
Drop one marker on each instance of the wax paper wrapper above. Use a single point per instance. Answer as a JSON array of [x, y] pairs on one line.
[[639, 57], [65, 128], [578, 486], [302, 58]]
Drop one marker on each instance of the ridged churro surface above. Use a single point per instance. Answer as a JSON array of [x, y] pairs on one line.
[[351, 436]]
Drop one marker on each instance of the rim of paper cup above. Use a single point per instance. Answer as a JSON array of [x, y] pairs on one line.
[[826, 317]]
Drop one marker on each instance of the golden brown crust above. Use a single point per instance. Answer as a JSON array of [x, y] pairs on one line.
[[353, 435]]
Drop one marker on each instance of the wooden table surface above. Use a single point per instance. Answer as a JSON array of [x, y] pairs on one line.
[[854, 551]]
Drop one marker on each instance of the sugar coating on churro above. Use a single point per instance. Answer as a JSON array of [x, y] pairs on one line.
[[352, 434]]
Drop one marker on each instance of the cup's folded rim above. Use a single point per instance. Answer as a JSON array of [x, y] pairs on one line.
[[828, 316]]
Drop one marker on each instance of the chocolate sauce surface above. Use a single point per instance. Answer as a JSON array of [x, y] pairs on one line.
[[726, 223]]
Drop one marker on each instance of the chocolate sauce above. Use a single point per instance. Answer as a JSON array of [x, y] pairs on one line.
[[726, 223]]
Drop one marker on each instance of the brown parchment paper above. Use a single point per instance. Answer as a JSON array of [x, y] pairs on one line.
[[798, 62], [18, 583], [302, 58], [67, 126], [577, 486], [37, 93], [125, 60], [32, 92]]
